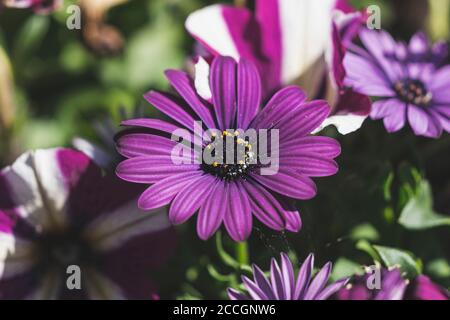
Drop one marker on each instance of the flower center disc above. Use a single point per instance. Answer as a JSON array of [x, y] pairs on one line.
[[236, 159], [413, 91]]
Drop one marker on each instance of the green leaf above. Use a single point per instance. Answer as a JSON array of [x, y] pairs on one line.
[[397, 258], [30, 37], [418, 213], [365, 231], [345, 268], [365, 246]]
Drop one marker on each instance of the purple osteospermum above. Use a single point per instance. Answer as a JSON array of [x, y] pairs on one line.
[[219, 193], [289, 47], [392, 287], [39, 6], [283, 286], [407, 80], [57, 209]]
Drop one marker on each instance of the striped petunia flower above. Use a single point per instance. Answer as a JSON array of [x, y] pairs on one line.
[[282, 284], [298, 42], [58, 210], [408, 81], [38, 6], [224, 192], [392, 286]]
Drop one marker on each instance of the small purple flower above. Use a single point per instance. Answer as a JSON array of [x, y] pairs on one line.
[[221, 193], [38, 6], [392, 287], [282, 285], [58, 209], [408, 82]]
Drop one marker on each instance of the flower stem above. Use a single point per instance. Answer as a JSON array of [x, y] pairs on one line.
[[242, 253]]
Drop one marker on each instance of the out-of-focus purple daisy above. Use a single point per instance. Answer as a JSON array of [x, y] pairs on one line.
[[58, 209], [290, 42], [392, 287], [222, 192], [38, 6], [407, 80], [281, 285]]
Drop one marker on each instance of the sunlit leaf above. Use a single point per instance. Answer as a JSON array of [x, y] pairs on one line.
[[418, 213]]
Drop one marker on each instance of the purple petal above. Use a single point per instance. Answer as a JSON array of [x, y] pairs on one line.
[[323, 146], [166, 104], [319, 282], [249, 93], [331, 289], [304, 120], [140, 144], [310, 165], [264, 206], [442, 114], [365, 77], [235, 295], [190, 199], [255, 292], [290, 214], [162, 192], [185, 88], [289, 183], [281, 104], [418, 119], [383, 108], [223, 88], [211, 214], [288, 276], [151, 169], [277, 280], [262, 282], [380, 44], [304, 277], [156, 124], [440, 80], [396, 120], [422, 288], [238, 219]]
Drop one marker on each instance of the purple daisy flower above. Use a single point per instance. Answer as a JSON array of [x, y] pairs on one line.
[[38, 6], [282, 285], [408, 82], [58, 209], [289, 47], [392, 287], [229, 193]]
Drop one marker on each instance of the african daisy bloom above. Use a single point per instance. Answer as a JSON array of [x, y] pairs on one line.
[[58, 209], [392, 287], [298, 42], [408, 82], [229, 193], [38, 6], [282, 285]]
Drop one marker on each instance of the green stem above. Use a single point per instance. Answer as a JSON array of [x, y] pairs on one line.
[[242, 253]]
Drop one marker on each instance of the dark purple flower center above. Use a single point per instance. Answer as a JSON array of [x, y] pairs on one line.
[[64, 249], [232, 167], [413, 91]]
